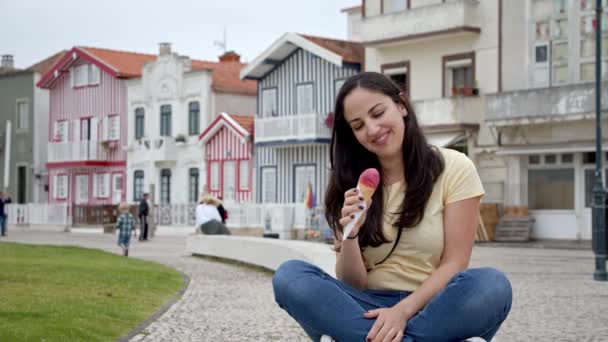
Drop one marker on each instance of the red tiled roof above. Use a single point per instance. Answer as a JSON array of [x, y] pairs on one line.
[[126, 64], [246, 121], [45, 65], [226, 77], [350, 51]]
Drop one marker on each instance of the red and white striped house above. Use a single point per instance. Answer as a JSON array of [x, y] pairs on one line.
[[88, 124], [228, 143]]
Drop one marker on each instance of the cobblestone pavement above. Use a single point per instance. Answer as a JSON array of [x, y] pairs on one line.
[[555, 297]]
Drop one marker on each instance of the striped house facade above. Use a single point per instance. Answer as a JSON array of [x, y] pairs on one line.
[[228, 149], [87, 125], [298, 79]]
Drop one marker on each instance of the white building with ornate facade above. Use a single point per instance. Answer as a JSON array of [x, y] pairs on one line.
[[168, 107]]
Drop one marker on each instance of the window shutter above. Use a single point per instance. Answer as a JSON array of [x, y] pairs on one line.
[[55, 180], [55, 131], [117, 127], [106, 185], [94, 129], [104, 128], [95, 181]]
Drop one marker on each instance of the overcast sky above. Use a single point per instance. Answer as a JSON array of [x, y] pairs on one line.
[[32, 30]]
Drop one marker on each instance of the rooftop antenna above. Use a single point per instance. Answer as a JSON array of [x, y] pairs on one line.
[[221, 44]]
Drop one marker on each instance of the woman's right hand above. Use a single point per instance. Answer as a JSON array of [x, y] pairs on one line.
[[353, 202]]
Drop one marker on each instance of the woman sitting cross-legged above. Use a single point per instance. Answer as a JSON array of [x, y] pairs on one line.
[[208, 218], [402, 272]]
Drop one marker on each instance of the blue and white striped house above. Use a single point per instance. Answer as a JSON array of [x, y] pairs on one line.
[[298, 79]]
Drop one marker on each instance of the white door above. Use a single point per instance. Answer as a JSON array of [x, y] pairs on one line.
[[117, 187], [304, 175], [229, 188]]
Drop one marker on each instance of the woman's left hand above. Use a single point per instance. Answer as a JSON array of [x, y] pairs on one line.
[[389, 326]]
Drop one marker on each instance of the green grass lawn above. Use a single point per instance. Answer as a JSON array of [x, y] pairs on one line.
[[76, 294]]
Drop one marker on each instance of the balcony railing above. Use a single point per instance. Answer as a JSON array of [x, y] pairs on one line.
[[569, 102], [450, 110], [453, 16], [159, 149], [68, 151], [291, 128]]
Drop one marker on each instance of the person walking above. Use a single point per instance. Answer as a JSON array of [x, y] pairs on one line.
[[126, 227], [144, 210], [4, 199]]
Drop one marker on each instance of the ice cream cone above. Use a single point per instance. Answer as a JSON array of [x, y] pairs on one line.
[[367, 192]]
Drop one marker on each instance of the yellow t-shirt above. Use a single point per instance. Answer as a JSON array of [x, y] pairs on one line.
[[419, 249]]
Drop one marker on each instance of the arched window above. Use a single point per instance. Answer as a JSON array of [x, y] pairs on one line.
[[193, 118], [193, 184], [139, 122], [165, 186], [138, 185]]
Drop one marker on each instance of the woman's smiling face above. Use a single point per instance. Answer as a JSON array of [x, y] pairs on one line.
[[376, 121]]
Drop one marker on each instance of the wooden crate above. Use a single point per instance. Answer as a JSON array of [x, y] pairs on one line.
[[513, 229]]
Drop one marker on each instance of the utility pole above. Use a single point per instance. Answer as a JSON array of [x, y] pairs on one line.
[[600, 240]]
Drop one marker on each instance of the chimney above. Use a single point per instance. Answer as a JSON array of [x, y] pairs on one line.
[[164, 49], [7, 62], [230, 56]]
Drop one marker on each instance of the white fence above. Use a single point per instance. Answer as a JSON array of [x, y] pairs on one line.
[[272, 217], [38, 213]]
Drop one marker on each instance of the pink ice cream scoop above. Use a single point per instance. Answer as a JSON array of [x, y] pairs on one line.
[[368, 182]]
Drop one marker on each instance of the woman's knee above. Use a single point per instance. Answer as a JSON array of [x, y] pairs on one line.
[[494, 286], [287, 273]]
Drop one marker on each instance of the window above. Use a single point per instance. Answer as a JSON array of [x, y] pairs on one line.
[[193, 185], [269, 184], [139, 123], [60, 188], [542, 55], [560, 181], [559, 66], [82, 189], [117, 182], [165, 120], [165, 186], [81, 75], [22, 115], [113, 127], [304, 99], [214, 175], [399, 73], [94, 74], [391, 6], [459, 71], [542, 30], [269, 102], [101, 185], [304, 175], [138, 185], [560, 6], [193, 118], [559, 29], [534, 159], [61, 131], [244, 174]]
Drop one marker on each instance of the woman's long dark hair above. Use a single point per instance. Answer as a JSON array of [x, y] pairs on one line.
[[422, 165]]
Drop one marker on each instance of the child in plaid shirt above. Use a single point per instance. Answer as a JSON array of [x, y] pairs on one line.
[[126, 227]]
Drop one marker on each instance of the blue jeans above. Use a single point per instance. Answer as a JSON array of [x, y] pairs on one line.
[[474, 303], [3, 220]]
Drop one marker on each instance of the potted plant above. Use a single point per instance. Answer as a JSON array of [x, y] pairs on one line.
[[180, 138], [475, 88], [467, 91], [455, 91]]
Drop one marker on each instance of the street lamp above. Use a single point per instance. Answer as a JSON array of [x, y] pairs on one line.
[[600, 243]]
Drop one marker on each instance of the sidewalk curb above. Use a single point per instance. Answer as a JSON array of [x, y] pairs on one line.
[[140, 328]]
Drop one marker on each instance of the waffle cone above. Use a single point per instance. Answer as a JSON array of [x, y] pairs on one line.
[[367, 192]]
